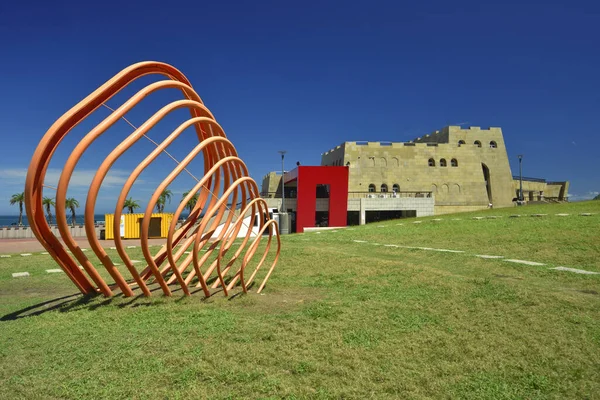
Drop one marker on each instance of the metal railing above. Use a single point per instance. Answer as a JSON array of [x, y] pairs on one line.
[[387, 195], [277, 195], [353, 195], [529, 179]]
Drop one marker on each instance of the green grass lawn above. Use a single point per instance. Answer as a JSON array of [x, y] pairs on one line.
[[339, 319]]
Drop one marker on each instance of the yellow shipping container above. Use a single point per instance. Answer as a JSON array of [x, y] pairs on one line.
[[159, 225]]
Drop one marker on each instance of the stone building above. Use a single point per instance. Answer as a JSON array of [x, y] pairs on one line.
[[462, 169]]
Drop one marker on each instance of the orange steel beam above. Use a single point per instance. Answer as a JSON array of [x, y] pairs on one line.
[[225, 177]]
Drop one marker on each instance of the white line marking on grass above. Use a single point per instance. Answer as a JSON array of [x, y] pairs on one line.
[[360, 241], [448, 251], [577, 271], [493, 217], [80, 266], [538, 215], [561, 215], [83, 249], [477, 218], [131, 247], [487, 256], [417, 222], [456, 219], [376, 244], [333, 231], [5, 256], [515, 216], [112, 248], [399, 224], [318, 233], [525, 262], [586, 214], [25, 254], [54, 271], [437, 219], [44, 252], [390, 245], [350, 229], [135, 261], [381, 226], [20, 274], [187, 252]]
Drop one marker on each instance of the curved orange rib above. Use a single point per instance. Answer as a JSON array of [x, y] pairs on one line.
[[220, 158]]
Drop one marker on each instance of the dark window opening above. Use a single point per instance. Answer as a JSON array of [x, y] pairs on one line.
[[375, 216]]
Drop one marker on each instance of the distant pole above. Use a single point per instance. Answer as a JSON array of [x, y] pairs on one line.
[[520, 177], [282, 152]]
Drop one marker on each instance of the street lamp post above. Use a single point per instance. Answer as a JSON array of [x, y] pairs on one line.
[[282, 152], [520, 178]]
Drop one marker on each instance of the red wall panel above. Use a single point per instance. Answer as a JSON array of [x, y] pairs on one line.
[[307, 180]]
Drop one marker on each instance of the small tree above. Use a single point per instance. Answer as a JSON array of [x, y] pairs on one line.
[[191, 202], [18, 198], [131, 205], [48, 203], [597, 197], [162, 200], [72, 204]]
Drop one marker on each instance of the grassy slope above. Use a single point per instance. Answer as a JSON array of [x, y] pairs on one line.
[[339, 319]]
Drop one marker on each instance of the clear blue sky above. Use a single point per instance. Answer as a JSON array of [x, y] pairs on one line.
[[306, 76]]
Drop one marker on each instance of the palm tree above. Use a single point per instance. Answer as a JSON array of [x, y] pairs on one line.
[[18, 198], [48, 202], [131, 205], [191, 202], [72, 204], [162, 200]]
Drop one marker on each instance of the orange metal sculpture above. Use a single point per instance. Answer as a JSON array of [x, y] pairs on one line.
[[225, 180]]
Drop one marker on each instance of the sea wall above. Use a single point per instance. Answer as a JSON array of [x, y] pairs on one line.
[[24, 232]]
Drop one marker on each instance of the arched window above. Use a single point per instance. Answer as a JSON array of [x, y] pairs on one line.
[[383, 162], [493, 145], [371, 188], [395, 188], [383, 188], [461, 142], [443, 163], [395, 162], [454, 162], [477, 143], [431, 162]]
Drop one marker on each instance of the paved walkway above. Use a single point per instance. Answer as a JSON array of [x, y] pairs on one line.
[[9, 246]]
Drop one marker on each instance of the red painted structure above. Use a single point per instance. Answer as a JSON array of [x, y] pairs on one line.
[[307, 179]]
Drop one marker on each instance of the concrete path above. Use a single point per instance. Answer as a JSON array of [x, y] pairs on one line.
[[11, 246]]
